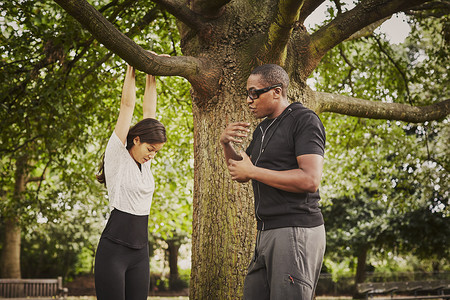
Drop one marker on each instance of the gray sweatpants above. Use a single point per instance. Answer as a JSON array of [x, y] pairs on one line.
[[286, 264]]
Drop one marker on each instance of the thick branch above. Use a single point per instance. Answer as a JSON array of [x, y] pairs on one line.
[[308, 8], [209, 8], [180, 11], [280, 30], [298, 46], [443, 6], [346, 24], [148, 17], [126, 48], [368, 30], [431, 9], [380, 110]]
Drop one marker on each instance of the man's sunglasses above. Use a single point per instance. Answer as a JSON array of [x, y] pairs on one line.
[[254, 94]]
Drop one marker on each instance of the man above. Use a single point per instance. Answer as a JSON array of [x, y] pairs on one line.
[[284, 161]]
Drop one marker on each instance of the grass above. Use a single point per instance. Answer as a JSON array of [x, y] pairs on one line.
[[186, 298], [149, 298]]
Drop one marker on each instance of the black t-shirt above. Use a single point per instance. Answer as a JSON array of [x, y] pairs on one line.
[[127, 229], [276, 144]]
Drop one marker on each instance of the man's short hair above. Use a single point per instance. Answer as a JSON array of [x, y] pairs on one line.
[[272, 74]]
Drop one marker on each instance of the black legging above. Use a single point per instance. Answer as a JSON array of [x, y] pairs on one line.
[[121, 273]]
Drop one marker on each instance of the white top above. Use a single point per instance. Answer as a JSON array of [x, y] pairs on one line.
[[129, 189]]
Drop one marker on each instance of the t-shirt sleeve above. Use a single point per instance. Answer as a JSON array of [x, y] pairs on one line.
[[309, 135], [114, 155]]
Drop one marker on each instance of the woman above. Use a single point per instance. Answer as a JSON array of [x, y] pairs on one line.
[[122, 258]]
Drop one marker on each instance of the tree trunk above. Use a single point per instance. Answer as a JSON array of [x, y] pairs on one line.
[[436, 267], [172, 249], [10, 258], [360, 269], [223, 220]]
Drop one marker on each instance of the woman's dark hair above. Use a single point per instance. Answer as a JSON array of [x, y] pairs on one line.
[[149, 131]]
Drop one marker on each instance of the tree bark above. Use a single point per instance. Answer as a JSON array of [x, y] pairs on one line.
[[209, 8], [350, 106], [10, 258], [223, 223], [172, 248], [360, 269]]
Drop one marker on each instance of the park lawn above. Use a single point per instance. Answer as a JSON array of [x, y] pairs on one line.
[[149, 298], [186, 298]]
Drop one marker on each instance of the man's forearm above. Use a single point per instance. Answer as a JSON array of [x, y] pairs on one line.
[[295, 181]]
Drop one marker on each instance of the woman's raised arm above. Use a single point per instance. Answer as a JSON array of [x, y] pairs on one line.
[[126, 105], [150, 96], [149, 103]]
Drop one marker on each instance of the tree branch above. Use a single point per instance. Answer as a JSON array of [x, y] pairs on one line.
[[346, 24], [126, 48], [380, 110], [309, 6], [42, 178], [338, 6], [209, 8], [431, 9], [368, 30], [118, 8], [53, 53], [50, 58], [6, 150], [180, 11], [397, 67], [352, 67], [280, 30], [34, 179], [298, 46], [149, 17]]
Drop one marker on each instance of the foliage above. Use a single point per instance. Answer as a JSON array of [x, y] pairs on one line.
[[385, 182], [47, 118], [171, 214], [60, 94], [55, 248]]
